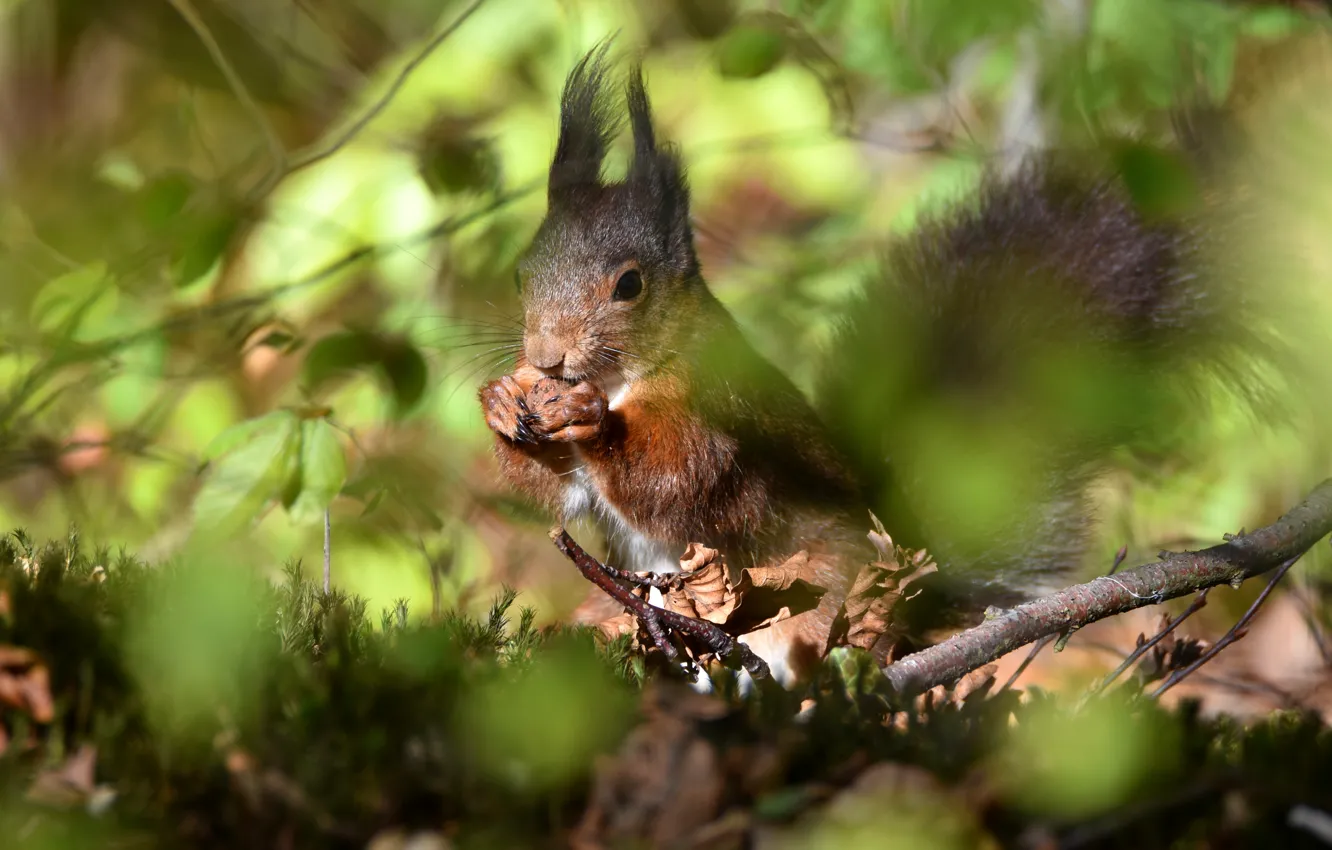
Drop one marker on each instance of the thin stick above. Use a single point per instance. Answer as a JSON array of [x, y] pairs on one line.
[[275, 148], [1199, 602], [328, 552], [1031, 656], [1120, 557], [308, 158], [656, 620], [1236, 632], [1173, 575]]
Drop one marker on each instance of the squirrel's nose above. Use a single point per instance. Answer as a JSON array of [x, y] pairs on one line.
[[545, 353]]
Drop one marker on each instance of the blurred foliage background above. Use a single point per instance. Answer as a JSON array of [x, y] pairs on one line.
[[257, 256]]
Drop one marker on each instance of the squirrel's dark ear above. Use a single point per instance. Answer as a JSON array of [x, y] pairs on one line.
[[656, 170], [586, 125]]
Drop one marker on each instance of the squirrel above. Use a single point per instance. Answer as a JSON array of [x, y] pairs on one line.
[[637, 401]]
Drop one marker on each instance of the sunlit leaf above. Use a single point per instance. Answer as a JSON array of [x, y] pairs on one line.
[[241, 433], [67, 302], [241, 483], [323, 470], [750, 51]]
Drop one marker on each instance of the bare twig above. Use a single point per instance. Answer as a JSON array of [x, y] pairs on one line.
[[1309, 613], [1174, 575], [310, 157], [1237, 631], [656, 620], [1026, 662], [328, 552], [276, 151], [1199, 602], [1120, 557]]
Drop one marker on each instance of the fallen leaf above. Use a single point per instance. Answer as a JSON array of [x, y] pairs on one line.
[[867, 613], [704, 590], [1174, 653], [25, 683], [69, 785]]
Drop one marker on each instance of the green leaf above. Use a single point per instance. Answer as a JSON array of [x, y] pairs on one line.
[[705, 19], [455, 165], [407, 374], [336, 355], [242, 432], [750, 51], [1159, 181], [68, 300], [323, 470], [244, 481], [201, 246], [163, 199], [395, 361]]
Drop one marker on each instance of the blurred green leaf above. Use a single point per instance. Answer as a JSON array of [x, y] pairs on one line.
[[335, 356], [1160, 182], [67, 302], [201, 244], [241, 433], [1079, 763], [455, 165], [407, 374], [705, 19], [323, 470], [256, 471], [580, 711], [394, 361], [749, 51], [163, 198]]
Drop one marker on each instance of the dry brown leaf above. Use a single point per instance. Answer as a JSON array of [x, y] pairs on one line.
[[1174, 653], [25, 683], [704, 590], [621, 624], [71, 784], [880, 585]]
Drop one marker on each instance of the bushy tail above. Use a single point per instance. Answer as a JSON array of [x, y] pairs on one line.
[[1008, 349]]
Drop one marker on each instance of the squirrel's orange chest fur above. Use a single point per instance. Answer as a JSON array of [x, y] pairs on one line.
[[583, 496]]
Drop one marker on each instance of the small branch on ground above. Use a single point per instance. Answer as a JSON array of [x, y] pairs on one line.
[[658, 622], [1237, 631], [1176, 574], [1199, 602], [328, 552]]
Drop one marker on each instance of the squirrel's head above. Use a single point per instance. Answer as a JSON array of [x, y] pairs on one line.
[[611, 273]]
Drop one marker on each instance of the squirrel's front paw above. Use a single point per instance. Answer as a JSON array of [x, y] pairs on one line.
[[565, 413], [505, 406]]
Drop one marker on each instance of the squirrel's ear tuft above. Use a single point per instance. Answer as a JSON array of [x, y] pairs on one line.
[[656, 171], [587, 125]]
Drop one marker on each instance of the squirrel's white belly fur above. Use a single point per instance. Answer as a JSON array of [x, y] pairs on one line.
[[637, 551]]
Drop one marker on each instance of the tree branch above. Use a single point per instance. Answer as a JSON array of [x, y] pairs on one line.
[[310, 157], [1175, 574], [276, 151]]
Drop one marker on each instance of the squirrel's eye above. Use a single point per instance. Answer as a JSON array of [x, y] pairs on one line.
[[518, 281], [628, 286]]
